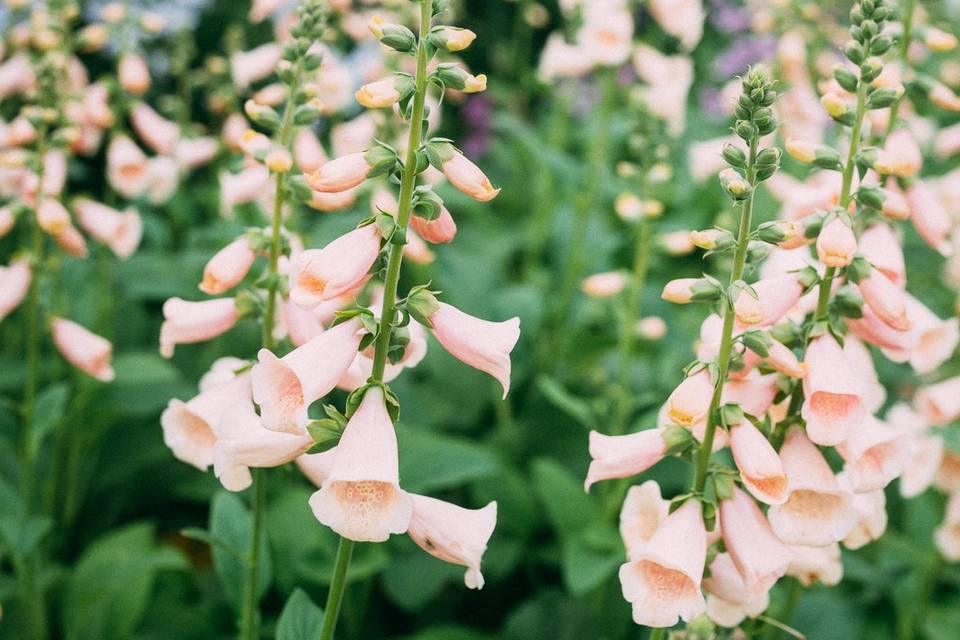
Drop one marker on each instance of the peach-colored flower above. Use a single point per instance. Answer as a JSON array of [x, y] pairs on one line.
[[784, 360], [881, 247], [643, 510], [119, 230], [453, 534], [832, 395], [818, 510], [378, 95], [158, 133], [760, 466], [623, 456], [729, 598], [836, 244], [243, 187], [361, 498], [663, 581], [896, 345], [468, 178], [72, 242], [340, 173], [329, 202], [682, 19], [929, 217], [947, 535], [775, 297], [934, 339], [82, 348], [190, 322], [52, 216], [260, 10], [222, 370], [127, 167], [939, 403], [482, 344], [875, 454], [604, 285], [757, 553], [607, 33], [440, 230], [7, 220], [308, 151], [947, 477], [327, 273], [247, 67], [900, 156], [679, 291], [316, 466], [228, 267], [816, 564], [872, 507], [192, 153], [133, 74], [286, 387], [362, 367], [188, 427], [886, 299], [241, 443]]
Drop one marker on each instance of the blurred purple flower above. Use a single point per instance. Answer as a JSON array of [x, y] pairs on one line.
[[729, 17], [477, 115], [744, 51]]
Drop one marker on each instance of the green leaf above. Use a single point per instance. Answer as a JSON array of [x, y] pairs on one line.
[[231, 522], [431, 462], [586, 565], [301, 619], [414, 579], [109, 591], [577, 408], [49, 410], [569, 508], [21, 534]]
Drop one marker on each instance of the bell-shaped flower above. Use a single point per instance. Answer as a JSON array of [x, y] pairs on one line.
[[133, 74], [71, 241], [947, 477], [875, 454], [316, 466], [52, 216], [158, 133], [836, 244], [896, 345], [623, 456], [128, 168], [241, 188], [187, 322], [228, 267], [324, 274], [754, 393], [340, 173], [482, 344], [119, 230], [729, 598], [760, 557], [939, 403], [832, 404], [681, 19], [188, 427], [872, 507], [643, 510], [881, 247], [14, 284], [308, 151], [247, 67], [689, 402], [361, 499], [242, 442], [947, 535], [886, 299], [83, 349], [453, 534], [469, 178], [760, 466], [775, 297], [663, 581], [818, 510], [816, 564], [934, 339], [192, 153], [440, 230], [286, 387], [929, 217]]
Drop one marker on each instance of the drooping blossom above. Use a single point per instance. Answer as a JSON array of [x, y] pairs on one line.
[[760, 557], [324, 274], [228, 267], [188, 322], [640, 516], [623, 456], [119, 230], [14, 284], [82, 348], [832, 396], [453, 534], [760, 466]]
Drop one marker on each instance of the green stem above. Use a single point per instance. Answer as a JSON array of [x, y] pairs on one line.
[[249, 627], [408, 181], [726, 336], [905, 38], [657, 634], [785, 614], [823, 297]]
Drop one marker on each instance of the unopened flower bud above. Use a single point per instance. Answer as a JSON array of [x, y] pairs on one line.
[[651, 328], [395, 36], [279, 160], [92, 38], [114, 12], [734, 184], [604, 285], [686, 290], [835, 104], [452, 38], [712, 239], [836, 245]]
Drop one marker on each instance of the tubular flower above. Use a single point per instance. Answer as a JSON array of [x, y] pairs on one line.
[[623, 456], [453, 534], [323, 274], [832, 403], [228, 267], [83, 349], [187, 322]]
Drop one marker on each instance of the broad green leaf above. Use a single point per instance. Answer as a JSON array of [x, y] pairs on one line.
[[232, 523], [414, 579], [576, 408], [49, 409], [431, 462], [586, 564], [21, 534], [568, 507], [301, 619], [109, 591]]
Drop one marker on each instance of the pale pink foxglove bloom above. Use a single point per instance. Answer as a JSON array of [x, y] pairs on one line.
[[186, 322], [760, 466], [233, 131], [379, 94], [247, 67], [286, 387], [361, 499], [164, 178], [783, 359], [679, 291], [881, 247], [816, 564], [192, 153], [362, 367], [324, 274], [416, 250], [832, 403], [886, 300], [947, 142], [561, 59], [453, 534], [241, 442], [836, 244], [872, 507], [900, 156], [241, 188], [873, 393], [260, 10], [438, 231], [72, 242], [329, 202], [895, 204], [682, 19], [604, 285], [875, 454], [133, 74], [308, 151], [934, 339], [96, 106], [759, 556], [729, 599], [353, 136], [222, 370], [16, 75], [747, 309], [469, 178], [158, 133], [228, 267], [482, 344], [52, 216], [939, 403], [607, 33], [623, 456], [127, 167], [947, 535], [119, 230], [689, 402], [929, 217], [7, 220], [818, 510], [775, 296], [340, 174], [188, 427], [83, 349], [926, 450], [316, 466], [663, 581], [640, 516], [896, 345], [753, 392], [947, 477], [54, 172]]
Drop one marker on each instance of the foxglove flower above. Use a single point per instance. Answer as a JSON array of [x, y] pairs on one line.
[[760, 557], [119, 230], [760, 466], [83, 349], [640, 516], [228, 267], [623, 456], [190, 322], [453, 534], [14, 285], [832, 404], [324, 274]]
